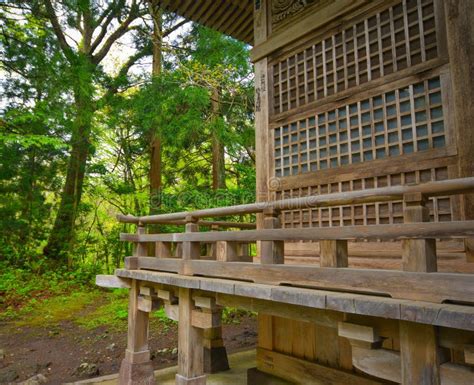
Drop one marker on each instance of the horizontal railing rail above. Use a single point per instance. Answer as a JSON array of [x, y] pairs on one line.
[[382, 194], [442, 230]]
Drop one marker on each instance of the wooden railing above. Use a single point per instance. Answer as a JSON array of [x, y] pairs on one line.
[[231, 259]]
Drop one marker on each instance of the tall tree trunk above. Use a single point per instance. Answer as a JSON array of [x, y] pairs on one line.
[[155, 147], [61, 239], [218, 159]]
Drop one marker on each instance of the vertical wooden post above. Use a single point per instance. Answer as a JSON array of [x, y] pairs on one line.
[[419, 354], [418, 342], [418, 254], [163, 249], [190, 250], [460, 38], [333, 253], [190, 344], [190, 339], [136, 367], [272, 252]]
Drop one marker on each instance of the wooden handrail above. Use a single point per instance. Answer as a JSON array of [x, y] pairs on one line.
[[455, 229], [383, 194], [222, 224]]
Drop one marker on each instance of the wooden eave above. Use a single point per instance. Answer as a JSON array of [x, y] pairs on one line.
[[231, 17]]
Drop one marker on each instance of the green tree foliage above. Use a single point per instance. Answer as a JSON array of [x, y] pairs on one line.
[[77, 114]]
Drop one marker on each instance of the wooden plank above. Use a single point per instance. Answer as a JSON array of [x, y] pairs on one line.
[[304, 372], [433, 287], [419, 354], [112, 282], [269, 308], [448, 315], [400, 231]]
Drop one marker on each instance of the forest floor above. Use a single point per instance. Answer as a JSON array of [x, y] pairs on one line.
[[82, 334]]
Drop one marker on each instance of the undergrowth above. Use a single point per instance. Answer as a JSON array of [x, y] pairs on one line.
[[32, 299]]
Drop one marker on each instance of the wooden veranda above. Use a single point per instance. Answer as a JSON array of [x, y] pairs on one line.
[[363, 268]]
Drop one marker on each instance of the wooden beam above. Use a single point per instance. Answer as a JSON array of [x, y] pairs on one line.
[[400, 231], [136, 367], [304, 372], [326, 318], [190, 347], [433, 287], [460, 39], [419, 354], [206, 319], [448, 315], [358, 332], [112, 282]]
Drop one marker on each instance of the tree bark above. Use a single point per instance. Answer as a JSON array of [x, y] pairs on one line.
[[155, 147], [60, 242], [218, 155]]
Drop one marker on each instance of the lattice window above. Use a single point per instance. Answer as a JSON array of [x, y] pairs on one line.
[[399, 37], [365, 214], [398, 122]]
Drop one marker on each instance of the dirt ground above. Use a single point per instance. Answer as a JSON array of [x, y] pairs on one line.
[[57, 352]]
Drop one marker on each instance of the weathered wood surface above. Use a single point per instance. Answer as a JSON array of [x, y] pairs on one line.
[[449, 315], [380, 363], [455, 229], [383, 194], [419, 354], [303, 372], [112, 282], [386, 364], [190, 344], [433, 287]]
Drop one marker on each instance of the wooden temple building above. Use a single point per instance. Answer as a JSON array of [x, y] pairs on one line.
[[364, 271]]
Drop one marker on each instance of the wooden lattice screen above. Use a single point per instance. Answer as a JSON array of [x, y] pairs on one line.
[[336, 124]]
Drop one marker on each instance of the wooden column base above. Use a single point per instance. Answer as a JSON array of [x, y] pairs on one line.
[[180, 380], [136, 373], [215, 360], [256, 377]]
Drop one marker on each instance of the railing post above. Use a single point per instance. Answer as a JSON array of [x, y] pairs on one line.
[[419, 351], [418, 254], [163, 249], [333, 253], [272, 252]]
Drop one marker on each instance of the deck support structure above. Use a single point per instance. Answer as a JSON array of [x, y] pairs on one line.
[[136, 367]]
